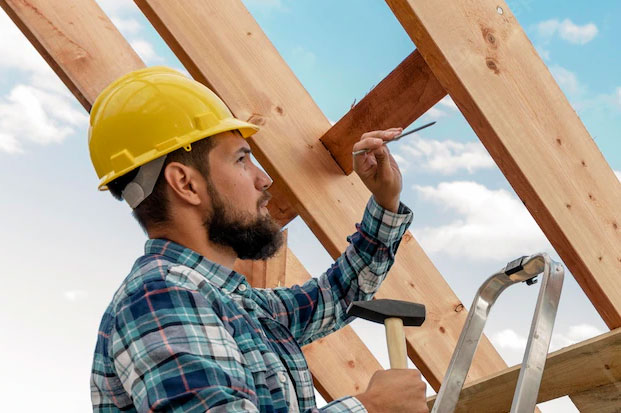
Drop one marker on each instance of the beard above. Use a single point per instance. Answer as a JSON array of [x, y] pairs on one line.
[[251, 238]]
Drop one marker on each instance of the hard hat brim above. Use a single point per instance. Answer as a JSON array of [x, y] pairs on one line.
[[246, 129]]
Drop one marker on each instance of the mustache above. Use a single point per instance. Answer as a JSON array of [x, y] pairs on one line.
[[265, 197]]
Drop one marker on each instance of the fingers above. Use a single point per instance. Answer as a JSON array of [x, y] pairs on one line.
[[368, 144], [374, 139], [382, 134]]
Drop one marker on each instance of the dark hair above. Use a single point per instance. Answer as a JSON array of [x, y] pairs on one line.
[[154, 209]]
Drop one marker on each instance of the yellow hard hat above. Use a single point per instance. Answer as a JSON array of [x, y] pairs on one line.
[[149, 113]]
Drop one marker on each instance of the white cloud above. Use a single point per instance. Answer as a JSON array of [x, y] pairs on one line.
[[75, 295], [435, 113], [491, 224], [39, 111], [509, 339], [447, 102], [567, 80], [9, 144], [111, 7], [404, 164], [618, 173], [146, 51], [567, 30], [16, 50], [447, 157], [543, 52], [575, 335], [32, 114], [512, 345], [126, 26]]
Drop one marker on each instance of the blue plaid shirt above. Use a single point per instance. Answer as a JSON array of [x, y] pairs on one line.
[[183, 334]]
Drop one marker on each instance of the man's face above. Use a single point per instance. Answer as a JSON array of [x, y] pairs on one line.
[[238, 217]]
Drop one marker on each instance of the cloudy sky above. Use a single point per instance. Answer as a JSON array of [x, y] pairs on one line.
[[66, 246]]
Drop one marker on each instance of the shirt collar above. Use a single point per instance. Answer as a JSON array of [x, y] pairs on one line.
[[219, 275]]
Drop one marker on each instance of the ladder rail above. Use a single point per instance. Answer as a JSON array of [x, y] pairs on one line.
[[524, 269]]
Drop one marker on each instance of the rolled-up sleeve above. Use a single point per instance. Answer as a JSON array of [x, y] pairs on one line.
[[172, 352], [319, 306]]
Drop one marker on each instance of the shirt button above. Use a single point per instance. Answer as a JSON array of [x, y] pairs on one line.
[[282, 377], [242, 288]]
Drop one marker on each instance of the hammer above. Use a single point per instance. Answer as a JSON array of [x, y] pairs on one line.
[[394, 314]]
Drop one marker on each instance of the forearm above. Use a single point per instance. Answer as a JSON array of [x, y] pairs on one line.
[[318, 307]]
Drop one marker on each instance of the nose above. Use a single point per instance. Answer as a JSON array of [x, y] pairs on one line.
[[262, 181]]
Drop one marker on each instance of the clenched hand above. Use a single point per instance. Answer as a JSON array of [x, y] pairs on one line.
[[378, 169]]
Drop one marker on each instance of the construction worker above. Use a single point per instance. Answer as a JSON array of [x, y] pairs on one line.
[[184, 332]]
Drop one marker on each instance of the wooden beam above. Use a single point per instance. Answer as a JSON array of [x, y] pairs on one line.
[[574, 369], [78, 52], [493, 73], [340, 363], [403, 96], [221, 45], [85, 28], [603, 399], [266, 273]]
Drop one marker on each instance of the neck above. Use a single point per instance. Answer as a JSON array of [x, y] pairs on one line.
[[191, 234]]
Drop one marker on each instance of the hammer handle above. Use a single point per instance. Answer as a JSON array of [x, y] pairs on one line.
[[395, 338]]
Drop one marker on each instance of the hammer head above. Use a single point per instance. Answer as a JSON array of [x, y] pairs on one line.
[[412, 314]]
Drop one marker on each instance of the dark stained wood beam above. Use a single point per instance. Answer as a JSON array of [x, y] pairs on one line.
[[403, 96]]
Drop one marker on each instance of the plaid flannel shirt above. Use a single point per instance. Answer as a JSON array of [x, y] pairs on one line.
[[183, 334]]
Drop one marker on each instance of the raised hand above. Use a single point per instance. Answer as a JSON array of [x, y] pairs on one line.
[[378, 169]]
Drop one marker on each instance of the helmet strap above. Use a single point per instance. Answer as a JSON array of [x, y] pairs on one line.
[[142, 185]]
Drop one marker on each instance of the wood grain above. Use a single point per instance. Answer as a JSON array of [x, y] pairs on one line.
[[49, 25], [491, 70], [269, 273], [603, 399], [403, 96], [76, 49], [340, 363], [222, 46], [576, 369]]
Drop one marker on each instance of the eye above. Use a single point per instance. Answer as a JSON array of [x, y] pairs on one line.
[[242, 158]]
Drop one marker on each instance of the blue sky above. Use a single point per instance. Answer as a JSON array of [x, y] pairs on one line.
[[67, 246]]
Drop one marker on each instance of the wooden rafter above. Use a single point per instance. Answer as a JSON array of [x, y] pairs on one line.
[[487, 64], [266, 273], [403, 96], [77, 37], [602, 399], [580, 368], [258, 86], [340, 363]]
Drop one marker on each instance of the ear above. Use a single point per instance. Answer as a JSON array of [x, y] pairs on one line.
[[184, 182]]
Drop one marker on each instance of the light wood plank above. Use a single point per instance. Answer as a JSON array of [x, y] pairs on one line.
[[78, 51], [403, 96], [340, 363], [603, 399], [574, 369], [221, 45], [92, 33], [493, 73], [76, 39], [266, 273]]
